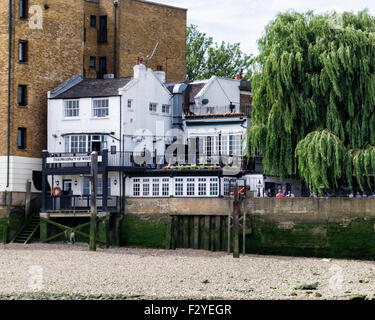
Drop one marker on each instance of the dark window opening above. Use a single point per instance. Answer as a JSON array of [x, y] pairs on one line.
[[93, 21], [102, 32], [23, 9], [22, 51], [102, 67], [22, 95], [92, 62], [21, 138]]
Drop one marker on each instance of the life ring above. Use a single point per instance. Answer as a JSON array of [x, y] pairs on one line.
[[56, 191]]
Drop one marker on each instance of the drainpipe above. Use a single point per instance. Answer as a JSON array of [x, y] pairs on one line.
[[9, 87], [115, 4]]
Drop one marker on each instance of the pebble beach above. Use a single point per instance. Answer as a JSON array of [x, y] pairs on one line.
[[38, 271]]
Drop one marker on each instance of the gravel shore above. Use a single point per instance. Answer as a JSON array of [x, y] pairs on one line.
[[65, 269]]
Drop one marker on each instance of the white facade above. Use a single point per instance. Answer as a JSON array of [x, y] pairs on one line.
[[147, 106], [20, 171], [126, 122]]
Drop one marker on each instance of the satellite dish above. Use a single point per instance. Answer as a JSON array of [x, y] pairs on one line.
[[205, 101]]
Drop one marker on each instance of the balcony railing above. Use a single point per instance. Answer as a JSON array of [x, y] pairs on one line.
[[78, 203], [214, 111]]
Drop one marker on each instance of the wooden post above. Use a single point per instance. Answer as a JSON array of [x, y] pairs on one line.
[[206, 233], [168, 238], [107, 231], [196, 233], [236, 214], [28, 199], [212, 233], [229, 226], [217, 233], [244, 225], [94, 209], [44, 229], [186, 233]]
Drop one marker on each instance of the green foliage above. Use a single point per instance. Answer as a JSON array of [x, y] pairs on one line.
[[204, 58], [314, 98]]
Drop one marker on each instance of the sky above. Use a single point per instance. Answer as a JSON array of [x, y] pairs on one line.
[[243, 21]]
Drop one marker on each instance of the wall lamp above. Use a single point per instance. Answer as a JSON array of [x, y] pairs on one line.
[[115, 182], [75, 182]]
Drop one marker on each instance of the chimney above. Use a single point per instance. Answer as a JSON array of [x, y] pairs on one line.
[[139, 69], [239, 75], [160, 74]]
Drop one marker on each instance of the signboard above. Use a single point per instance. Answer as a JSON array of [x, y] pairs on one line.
[[73, 159]]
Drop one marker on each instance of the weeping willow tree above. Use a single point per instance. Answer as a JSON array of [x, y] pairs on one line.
[[314, 99]]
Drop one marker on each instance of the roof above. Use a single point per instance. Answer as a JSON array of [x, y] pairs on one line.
[[245, 85], [91, 88]]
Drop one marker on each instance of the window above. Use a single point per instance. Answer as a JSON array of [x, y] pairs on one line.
[[155, 187], [22, 95], [71, 108], [179, 187], [101, 108], [202, 186], [102, 32], [86, 190], [136, 187], [78, 144], [146, 187], [102, 66], [153, 107], [100, 186], [23, 9], [92, 62], [190, 187], [93, 21], [22, 51], [21, 138], [235, 145], [214, 187], [165, 187], [130, 104], [166, 108]]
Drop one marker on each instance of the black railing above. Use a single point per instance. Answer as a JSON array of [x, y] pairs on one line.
[[78, 203]]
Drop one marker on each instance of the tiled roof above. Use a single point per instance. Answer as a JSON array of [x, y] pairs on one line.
[[91, 88]]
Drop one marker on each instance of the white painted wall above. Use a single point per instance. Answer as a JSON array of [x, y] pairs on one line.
[[21, 170], [58, 125], [138, 121], [219, 92]]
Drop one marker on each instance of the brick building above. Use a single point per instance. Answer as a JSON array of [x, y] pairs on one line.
[[44, 43]]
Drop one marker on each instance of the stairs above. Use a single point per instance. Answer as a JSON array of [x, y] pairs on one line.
[[28, 230]]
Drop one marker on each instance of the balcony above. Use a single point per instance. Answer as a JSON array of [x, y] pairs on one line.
[[204, 112], [78, 204]]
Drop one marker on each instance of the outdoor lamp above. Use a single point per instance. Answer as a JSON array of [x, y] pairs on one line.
[[115, 182], [57, 182], [75, 182]]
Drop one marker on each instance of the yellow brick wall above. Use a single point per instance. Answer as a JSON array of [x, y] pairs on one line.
[[58, 51], [142, 25]]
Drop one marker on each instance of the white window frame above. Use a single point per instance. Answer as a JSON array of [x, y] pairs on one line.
[[166, 108], [71, 109], [101, 111], [153, 107]]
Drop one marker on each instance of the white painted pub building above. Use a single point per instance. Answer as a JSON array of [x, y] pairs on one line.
[[154, 139]]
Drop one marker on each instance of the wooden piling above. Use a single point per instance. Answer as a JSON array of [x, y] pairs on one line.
[[236, 214], [28, 199], [196, 233], [206, 241], [217, 233], [94, 209], [186, 233]]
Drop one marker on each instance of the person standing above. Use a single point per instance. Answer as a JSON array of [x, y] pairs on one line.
[[280, 194]]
